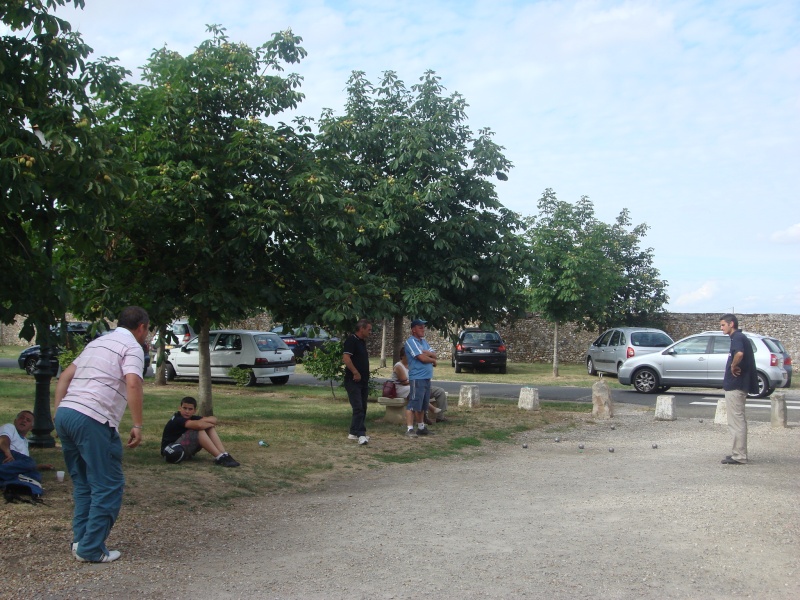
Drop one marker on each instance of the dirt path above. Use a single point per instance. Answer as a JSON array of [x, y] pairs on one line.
[[550, 521]]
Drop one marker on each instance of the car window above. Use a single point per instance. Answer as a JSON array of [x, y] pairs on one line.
[[603, 341], [650, 339], [722, 345], [773, 346], [696, 345], [228, 341], [616, 338]]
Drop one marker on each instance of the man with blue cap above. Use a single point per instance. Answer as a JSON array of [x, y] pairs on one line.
[[421, 360]]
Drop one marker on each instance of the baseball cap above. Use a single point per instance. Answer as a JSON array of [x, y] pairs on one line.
[[416, 322]]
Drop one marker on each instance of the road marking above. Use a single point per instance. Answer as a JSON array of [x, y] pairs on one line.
[[749, 405]]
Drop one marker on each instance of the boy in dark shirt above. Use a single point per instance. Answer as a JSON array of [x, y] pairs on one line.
[[194, 432]]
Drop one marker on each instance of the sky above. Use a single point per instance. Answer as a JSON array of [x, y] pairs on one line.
[[687, 113]]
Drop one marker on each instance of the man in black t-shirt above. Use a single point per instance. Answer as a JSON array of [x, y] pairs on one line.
[[356, 378], [194, 432]]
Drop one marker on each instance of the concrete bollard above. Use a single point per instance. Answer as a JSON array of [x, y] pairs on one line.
[[666, 408], [602, 406], [778, 413], [529, 398], [470, 395], [721, 416]]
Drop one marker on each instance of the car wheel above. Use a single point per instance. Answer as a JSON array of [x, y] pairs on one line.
[[30, 365], [171, 374], [763, 387], [645, 381], [458, 368], [590, 367], [282, 380], [251, 378]]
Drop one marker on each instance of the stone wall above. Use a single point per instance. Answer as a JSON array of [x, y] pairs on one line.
[[531, 340]]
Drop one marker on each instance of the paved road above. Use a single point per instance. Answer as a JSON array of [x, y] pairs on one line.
[[700, 404]]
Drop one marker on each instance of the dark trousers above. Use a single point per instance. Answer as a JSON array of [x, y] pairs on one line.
[[357, 393]]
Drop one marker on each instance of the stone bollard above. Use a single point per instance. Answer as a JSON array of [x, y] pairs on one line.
[[721, 416], [529, 398], [603, 407], [470, 395], [778, 414], [666, 408]]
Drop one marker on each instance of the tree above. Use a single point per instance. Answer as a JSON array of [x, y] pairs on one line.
[[587, 272], [420, 181], [62, 176], [229, 200]]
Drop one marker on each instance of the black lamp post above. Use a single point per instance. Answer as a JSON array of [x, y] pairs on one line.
[[45, 370], [46, 367]]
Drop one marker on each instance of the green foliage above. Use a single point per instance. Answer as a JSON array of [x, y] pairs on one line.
[[75, 346], [239, 375], [325, 363], [419, 183], [62, 173]]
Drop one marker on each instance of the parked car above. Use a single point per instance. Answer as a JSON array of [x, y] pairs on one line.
[[30, 356], [264, 354], [787, 359], [479, 349], [615, 346], [699, 361], [305, 338], [178, 333]]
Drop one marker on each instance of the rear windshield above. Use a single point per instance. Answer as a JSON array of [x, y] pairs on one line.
[[267, 341], [650, 339], [774, 345], [481, 336]]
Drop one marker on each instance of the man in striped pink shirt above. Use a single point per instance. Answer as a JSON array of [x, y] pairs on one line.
[[91, 396]]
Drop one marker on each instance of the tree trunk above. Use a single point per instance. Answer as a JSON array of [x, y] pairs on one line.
[[555, 349], [383, 343], [161, 353], [398, 338], [204, 400]]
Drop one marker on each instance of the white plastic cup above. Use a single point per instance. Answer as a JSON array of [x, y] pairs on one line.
[[60, 476]]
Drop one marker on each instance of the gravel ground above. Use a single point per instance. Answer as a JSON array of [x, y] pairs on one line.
[[547, 521]]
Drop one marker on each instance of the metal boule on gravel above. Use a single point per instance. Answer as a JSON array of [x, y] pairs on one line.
[[655, 446], [611, 450], [580, 446], [524, 445], [558, 439], [701, 420], [613, 427]]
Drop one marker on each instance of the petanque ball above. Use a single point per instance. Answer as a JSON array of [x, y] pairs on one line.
[[475, 277], [655, 446], [558, 439], [580, 446], [613, 427], [524, 445], [611, 450], [174, 453]]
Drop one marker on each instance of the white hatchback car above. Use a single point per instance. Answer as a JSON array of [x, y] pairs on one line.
[[264, 354]]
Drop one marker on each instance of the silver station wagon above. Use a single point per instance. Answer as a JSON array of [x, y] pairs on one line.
[[262, 353]]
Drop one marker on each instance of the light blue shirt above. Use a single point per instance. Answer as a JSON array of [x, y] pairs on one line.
[[416, 368]]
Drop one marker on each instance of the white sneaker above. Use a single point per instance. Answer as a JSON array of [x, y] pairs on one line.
[[352, 437], [74, 547], [363, 440], [107, 558]]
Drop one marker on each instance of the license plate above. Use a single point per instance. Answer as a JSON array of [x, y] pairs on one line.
[[281, 369], [482, 350]]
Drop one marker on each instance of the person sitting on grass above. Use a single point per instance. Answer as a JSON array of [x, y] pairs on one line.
[[194, 432]]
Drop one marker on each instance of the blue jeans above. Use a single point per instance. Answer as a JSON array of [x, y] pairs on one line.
[[93, 454], [357, 393]]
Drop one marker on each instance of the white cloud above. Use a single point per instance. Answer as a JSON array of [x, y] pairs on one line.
[[790, 235], [703, 293]]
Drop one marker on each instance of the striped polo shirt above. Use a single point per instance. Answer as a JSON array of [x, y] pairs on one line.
[[98, 388]]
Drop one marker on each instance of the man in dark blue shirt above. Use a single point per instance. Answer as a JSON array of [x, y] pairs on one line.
[[356, 378], [740, 379]]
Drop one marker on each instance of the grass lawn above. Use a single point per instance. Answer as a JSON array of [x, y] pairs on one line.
[[306, 430]]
